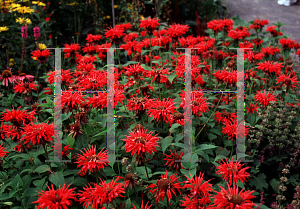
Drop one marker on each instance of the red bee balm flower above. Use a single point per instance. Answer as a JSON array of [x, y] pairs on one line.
[[166, 186], [58, 199], [41, 55], [91, 161], [38, 133], [149, 24], [141, 142], [198, 188], [232, 198], [102, 193], [173, 158], [232, 171], [161, 109], [18, 117], [3, 153], [264, 98]]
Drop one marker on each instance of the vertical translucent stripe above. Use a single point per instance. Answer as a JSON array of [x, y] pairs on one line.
[[240, 139], [110, 106], [188, 108], [58, 110]]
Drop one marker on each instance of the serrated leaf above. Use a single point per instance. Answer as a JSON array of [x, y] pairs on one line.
[[274, 184], [188, 172], [42, 169], [57, 179], [259, 182]]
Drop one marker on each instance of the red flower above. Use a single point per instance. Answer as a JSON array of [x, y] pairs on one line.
[[94, 80], [138, 105], [124, 26], [63, 152], [172, 160], [177, 117], [239, 33], [142, 206], [93, 38], [232, 172], [257, 41], [149, 24], [264, 97], [258, 24], [18, 117], [100, 101], [177, 30], [198, 188], [140, 142], [253, 57], [225, 117], [165, 187], [58, 199], [288, 81], [134, 70], [3, 153], [287, 44], [38, 133], [233, 131], [272, 30], [252, 109], [25, 87], [270, 50], [41, 55], [199, 103], [71, 99], [232, 198], [91, 161], [71, 50], [190, 202], [102, 193], [229, 77], [269, 67], [161, 109], [115, 34], [216, 25]]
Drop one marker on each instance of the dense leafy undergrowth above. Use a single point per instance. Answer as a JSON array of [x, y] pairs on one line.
[[147, 121]]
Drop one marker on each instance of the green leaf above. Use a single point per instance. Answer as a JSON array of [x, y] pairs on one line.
[[166, 142], [171, 77], [174, 126], [57, 179], [187, 173], [130, 62], [259, 182], [42, 169], [204, 147], [142, 172], [30, 192], [274, 184], [39, 183], [17, 182]]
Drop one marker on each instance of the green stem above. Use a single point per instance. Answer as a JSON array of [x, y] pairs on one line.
[[146, 170]]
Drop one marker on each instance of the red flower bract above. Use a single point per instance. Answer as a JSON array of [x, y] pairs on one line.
[[102, 193], [165, 187], [56, 199], [89, 160], [232, 198], [232, 171], [264, 98], [141, 142], [3, 153], [173, 158], [38, 133], [161, 109]]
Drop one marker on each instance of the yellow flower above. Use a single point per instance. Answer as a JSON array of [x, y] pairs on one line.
[[12, 62], [72, 3], [39, 3], [142, 17], [25, 9], [107, 17], [14, 7], [20, 20], [116, 6], [3, 28], [122, 16], [42, 46]]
